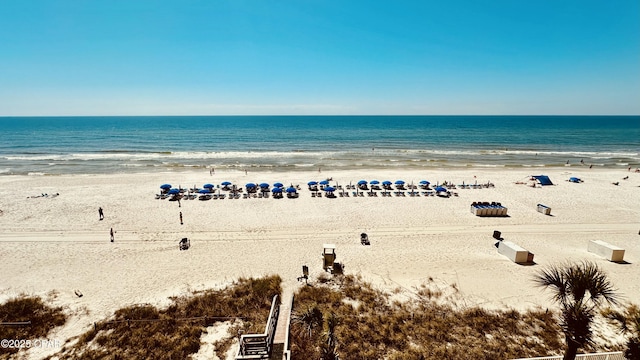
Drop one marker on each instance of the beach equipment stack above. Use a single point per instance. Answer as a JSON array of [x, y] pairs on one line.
[[488, 209]]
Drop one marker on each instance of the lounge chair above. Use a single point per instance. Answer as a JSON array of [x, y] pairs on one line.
[[184, 244]]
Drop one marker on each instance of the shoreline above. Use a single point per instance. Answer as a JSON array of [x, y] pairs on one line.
[[57, 244]]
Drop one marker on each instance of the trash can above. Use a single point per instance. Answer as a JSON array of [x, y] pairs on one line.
[[497, 235]]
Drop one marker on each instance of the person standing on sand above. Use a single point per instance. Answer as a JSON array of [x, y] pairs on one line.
[[100, 213], [181, 218], [112, 235]]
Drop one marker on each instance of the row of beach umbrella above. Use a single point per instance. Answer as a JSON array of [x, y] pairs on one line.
[[365, 182], [279, 187], [208, 188]]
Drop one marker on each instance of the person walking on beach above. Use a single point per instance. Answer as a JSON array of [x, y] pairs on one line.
[[100, 213], [181, 218], [112, 235]]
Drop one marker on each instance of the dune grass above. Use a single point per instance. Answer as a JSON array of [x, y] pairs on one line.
[[146, 332], [43, 318], [367, 323]]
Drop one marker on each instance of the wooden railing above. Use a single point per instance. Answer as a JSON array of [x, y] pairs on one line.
[[287, 348], [595, 356], [258, 346]]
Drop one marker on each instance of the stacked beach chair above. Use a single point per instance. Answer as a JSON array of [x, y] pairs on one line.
[[488, 209]]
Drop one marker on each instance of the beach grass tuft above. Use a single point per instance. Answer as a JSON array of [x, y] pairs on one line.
[[379, 327], [147, 332], [42, 317]]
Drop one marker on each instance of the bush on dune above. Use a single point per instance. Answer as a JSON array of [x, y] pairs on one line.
[[146, 332], [43, 318], [370, 325]]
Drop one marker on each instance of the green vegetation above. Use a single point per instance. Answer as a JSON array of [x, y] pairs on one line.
[[628, 321], [145, 332], [347, 317], [43, 318], [580, 289]]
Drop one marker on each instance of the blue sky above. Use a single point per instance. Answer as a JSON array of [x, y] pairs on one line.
[[127, 57]]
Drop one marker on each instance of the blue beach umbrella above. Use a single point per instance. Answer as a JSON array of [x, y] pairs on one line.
[[173, 191], [204, 191], [386, 182], [329, 189], [362, 182], [276, 190], [225, 183], [250, 185], [165, 186], [324, 182], [399, 182], [424, 182], [291, 189], [278, 185], [264, 185], [208, 186], [440, 189], [374, 182], [311, 183]]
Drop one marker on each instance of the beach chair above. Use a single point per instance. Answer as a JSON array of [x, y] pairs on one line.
[[305, 273], [184, 244], [364, 239]]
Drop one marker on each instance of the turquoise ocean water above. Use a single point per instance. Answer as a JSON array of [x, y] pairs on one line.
[[94, 145]]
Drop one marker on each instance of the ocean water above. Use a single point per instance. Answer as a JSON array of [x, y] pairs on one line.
[[94, 145]]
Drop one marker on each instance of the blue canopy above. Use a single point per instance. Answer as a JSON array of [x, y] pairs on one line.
[[204, 191], [374, 182], [278, 185], [424, 182], [225, 183], [362, 182], [173, 191], [165, 186], [324, 182], [310, 183], [276, 190], [440, 189], [543, 179], [264, 185], [399, 182], [329, 189], [250, 185], [209, 186], [387, 182], [291, 189]]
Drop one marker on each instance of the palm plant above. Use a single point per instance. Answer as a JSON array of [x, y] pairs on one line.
[[328, 349], [310, 318], [629, 324], [579, 289]]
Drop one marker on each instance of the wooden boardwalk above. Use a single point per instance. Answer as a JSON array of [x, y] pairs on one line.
[[274, 342], [281, 338]]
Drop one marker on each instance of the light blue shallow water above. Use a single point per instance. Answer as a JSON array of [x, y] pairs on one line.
[[67, 145]]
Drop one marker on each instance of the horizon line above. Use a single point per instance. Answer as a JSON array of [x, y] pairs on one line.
[[323, 115]]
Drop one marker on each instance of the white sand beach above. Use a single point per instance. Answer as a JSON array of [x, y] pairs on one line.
[[54, 245]]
